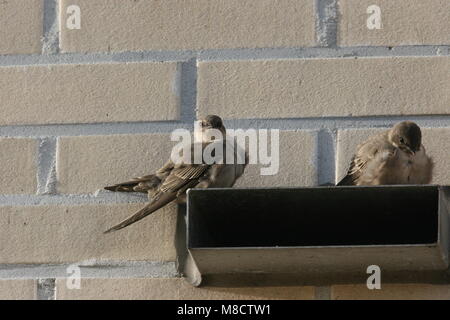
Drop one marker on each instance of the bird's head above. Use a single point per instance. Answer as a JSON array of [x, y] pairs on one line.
[[207, 129], [406, 136]]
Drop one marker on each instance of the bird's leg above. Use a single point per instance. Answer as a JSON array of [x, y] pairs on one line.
[[204, 183], [211, 177]]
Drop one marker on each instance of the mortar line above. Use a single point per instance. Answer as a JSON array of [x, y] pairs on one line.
[[326, 156], [324, 52], [340, 123], [46, 166], [326, 23], [334, 134], [46, 289], [322, 293], [50, 40], [314, 123], [188, 83], [99, 197], [90, 269], [316, 158], [181, 239], [225, 54]]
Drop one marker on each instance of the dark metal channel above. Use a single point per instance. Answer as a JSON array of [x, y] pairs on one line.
[[322, 216]]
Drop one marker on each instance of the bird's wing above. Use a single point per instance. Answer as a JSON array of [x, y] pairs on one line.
[[386, 167], [185, 176], [366, 152], [422, 168], [139, 184], [144, 183], [350, 177], [180, 177], [164, 171]]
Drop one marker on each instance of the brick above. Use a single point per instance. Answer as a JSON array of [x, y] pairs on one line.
[[324, 87], [435, 140], [437, 144], [164, 289], [18, 289], [72, 93], [297, 163], [86, 164], [127, 25], [404, 22], [391, 292], [18, 170], [63, 234], [21, 27]]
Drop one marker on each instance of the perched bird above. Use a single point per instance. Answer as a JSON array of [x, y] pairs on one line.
[[173, 180], [396, 156]]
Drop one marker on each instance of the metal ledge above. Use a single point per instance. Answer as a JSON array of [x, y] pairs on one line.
[[318, 236]]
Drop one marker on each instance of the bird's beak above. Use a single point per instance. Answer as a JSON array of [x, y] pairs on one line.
[[407, 149], [411, 151]]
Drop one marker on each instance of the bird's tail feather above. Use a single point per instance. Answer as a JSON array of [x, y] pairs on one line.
[[147, 210]]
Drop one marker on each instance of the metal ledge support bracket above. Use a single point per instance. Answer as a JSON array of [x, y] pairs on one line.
[[317, 235]]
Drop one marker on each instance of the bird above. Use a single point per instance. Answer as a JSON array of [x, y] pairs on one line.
[[171, 182], [395, 156]]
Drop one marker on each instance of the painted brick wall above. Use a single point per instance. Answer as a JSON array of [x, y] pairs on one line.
[[83, 108]]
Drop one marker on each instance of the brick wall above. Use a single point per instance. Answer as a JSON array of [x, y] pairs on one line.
[[83, 108]]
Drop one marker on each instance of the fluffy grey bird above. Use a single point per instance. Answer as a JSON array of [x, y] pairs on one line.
[[396, 156], [173, 180]]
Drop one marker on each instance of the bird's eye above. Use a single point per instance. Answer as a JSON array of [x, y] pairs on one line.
[[402, 140]]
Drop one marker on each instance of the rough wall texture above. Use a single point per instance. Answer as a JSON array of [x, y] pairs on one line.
[[81, 108]]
